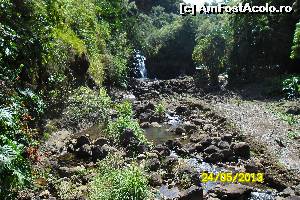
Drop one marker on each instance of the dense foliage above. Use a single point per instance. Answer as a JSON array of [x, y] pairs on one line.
[[124, 121], [114, 181], [56, 55]]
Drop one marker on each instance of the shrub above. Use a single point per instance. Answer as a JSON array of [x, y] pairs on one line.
[[291, 86], [296, 47], [86, 104], [160, 109], [14, 170], [114, 182], [124, 121]]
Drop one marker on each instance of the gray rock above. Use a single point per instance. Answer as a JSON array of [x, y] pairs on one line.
[[162, 150], [232, 191], [287, 192], [214, 157], [227, 155], [155, 179], [82, 140], [84, 151], [211, 149], [152, 164], [99, 153], [227, 138], [181, 109], [180, 130], [241, 149], [190, 128], [192, 193], [101, 141], [223, 145]]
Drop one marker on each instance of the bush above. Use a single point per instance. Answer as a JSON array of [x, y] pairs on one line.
[[14, 170], [296, 47], [124, 121], [114, 182], [86, 105], [291, 87], [160, 109]]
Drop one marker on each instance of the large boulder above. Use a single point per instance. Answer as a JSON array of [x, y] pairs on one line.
[[82, 140], [232, 191], [100, 152], [152, 164], [162, 150], [211, 149], [155, 179], [84, 152], [192, 193], [241, 149]]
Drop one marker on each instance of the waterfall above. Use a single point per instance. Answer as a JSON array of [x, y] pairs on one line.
[[140, 64]]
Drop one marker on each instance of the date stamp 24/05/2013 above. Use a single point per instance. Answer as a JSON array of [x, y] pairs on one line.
[[229, 177]]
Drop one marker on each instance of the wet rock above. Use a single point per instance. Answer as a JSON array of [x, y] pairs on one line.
[[205, 141], [192, 193], [214, 157], [184, 172], [145, 125], [254, 167], [152, 164], [292, 198], [232, 191], [199, 148], [44, 194], [101, 141], [173, 144], [128, 137], [84, 152], [82, 140], [297, 190], [227, 138], [155, 125], [191, 148], [223, 145], [287, 192], [170, 162], [179, 130], [227, 155], [211, 149], [155, 118], [215, 140], [150, 106], [196, 137], [131, 143], [190, 128], [144, 117], [241, 149], [207, 128], [199, 122], [155, 179], [181, 109], [182, 152], [162, 150], [99, 153]]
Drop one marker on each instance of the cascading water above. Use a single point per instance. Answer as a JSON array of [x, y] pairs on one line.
[[140, 64]]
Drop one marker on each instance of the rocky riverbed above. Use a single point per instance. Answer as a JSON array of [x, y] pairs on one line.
[[195, 134]]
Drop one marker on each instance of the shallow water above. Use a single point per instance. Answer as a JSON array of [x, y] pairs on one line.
[[159, 135]]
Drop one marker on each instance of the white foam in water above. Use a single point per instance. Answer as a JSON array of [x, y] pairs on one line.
[[261, 196]]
